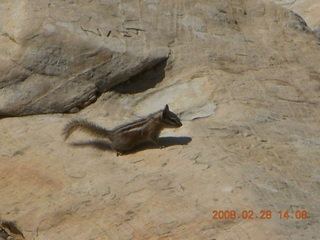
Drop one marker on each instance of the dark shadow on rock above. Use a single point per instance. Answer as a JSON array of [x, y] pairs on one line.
[[104, 145], [98, 144], [164, 141], [171, 141], [143, 81]]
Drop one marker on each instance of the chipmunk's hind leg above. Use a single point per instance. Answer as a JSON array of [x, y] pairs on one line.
[[121, 146]]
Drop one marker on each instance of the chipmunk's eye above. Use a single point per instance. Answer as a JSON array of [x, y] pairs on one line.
[[175, 120]]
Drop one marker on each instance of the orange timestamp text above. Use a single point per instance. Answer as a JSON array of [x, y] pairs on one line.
[[263, 214]]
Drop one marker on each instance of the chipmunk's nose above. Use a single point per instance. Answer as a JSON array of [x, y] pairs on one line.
[[179, 123]]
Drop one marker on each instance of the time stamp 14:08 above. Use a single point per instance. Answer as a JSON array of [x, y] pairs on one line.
[[263, 214]]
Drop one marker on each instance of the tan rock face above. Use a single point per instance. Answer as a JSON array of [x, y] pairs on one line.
[[242, 75], [68, 53], [308, 9]]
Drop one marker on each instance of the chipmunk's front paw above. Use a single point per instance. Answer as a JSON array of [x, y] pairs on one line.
[[119, 153]]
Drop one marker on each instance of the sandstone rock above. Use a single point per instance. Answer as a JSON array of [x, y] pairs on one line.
[[244, 77], [308, 9], [67, 54]]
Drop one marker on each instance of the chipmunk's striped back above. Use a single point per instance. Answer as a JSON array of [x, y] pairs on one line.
[[139, 124]]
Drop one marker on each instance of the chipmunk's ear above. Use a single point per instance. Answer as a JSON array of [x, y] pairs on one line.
[[165, 111]]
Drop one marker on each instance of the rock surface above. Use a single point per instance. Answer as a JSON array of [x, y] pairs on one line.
[[67, 53], [308, 9], [244, 77]]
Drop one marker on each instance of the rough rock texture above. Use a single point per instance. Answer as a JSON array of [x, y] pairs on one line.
[[58, 56], [244, 77], [308, 9]]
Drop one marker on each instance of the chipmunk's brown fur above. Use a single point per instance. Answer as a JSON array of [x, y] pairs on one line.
[[126, 136]]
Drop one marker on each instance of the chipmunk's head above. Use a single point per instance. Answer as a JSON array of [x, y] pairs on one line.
[[170, 119]]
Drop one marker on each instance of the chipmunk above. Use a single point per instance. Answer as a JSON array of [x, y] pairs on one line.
[[126, 136]]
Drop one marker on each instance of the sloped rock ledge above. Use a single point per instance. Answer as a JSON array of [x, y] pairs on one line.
[[56, 64]]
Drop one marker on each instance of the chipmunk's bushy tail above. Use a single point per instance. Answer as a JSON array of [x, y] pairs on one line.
[[86, 126]]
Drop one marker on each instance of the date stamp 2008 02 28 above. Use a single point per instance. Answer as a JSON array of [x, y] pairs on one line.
[[263, 214]]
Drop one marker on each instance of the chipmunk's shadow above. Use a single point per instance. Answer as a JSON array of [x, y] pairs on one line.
[[104, 145], [99, 144], [164, 141]]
